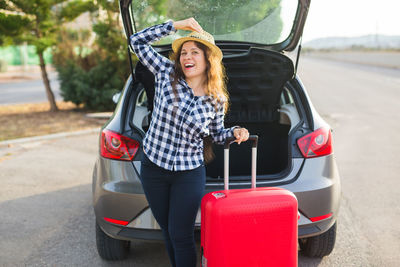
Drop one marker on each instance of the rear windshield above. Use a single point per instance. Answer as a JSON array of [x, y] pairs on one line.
[[257, 21]]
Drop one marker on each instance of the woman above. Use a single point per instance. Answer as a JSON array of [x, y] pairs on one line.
[[189, 105]]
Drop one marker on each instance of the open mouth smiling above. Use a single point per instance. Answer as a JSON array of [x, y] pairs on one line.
[[189, 65]]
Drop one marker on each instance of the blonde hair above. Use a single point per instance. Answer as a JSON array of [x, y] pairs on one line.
[[215, 72]]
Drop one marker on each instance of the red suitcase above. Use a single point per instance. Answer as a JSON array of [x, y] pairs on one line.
[[248, 227]]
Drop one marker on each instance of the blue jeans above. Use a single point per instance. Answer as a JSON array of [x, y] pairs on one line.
[[174, 198]]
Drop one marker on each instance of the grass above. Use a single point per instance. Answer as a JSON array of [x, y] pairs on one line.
[[26, 120]]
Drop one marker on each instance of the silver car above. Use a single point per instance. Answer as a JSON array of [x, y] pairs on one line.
[[267, 97]]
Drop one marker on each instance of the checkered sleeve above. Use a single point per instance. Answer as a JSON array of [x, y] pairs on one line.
[[217, 130], [141, 41]]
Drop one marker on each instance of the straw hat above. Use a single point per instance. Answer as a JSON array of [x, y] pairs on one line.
[[203, 37]]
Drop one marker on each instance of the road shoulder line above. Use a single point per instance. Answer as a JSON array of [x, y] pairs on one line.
[[48, 137]]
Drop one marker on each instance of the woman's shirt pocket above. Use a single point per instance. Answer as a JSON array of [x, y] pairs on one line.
[[200, 118]]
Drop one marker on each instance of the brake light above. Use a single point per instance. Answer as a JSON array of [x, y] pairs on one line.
[[124, 223], [316, 144], [116, 146], [320, 218]]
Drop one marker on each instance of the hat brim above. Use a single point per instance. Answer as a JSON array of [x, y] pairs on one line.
[[176, 44]]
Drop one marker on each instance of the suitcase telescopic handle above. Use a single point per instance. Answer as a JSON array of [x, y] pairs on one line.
[[228, 142]]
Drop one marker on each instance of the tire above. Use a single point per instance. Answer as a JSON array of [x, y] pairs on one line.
[[110, 248], [319, 246]]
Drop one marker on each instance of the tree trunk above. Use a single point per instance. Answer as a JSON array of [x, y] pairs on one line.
[[49, 92]]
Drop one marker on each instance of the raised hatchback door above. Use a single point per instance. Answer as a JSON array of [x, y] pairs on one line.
[[273, 24]]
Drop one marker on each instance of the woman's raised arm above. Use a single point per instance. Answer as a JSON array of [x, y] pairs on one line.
[[141, 44]]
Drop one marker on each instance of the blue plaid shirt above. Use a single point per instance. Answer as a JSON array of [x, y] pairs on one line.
[[174, 140]]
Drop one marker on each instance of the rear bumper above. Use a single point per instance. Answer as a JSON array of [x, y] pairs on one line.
[[318, 192], [317, 189], [151, 231]]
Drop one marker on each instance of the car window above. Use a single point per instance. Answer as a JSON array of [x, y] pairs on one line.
[[256, 21], [286, 97], [141, 100]]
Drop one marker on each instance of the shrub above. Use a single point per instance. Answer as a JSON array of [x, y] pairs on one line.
[[90, 73], [94, 87], [93, 64]]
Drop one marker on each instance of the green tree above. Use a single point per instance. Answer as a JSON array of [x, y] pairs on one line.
[[90, 72], [37, 22]]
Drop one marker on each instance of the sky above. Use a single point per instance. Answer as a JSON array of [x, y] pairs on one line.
[[346, 18]]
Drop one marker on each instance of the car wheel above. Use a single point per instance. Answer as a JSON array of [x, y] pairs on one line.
[[319, 246], [110, 248]]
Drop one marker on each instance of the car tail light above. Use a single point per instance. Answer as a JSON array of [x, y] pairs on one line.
[[124, 223], [320, 218], [316, 144], [116, 146]]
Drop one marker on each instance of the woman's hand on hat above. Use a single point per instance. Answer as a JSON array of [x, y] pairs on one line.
[[241, 134], [189, 24]]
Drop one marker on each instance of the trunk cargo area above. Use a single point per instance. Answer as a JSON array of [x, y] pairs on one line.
[[256, 81], [272, 152]]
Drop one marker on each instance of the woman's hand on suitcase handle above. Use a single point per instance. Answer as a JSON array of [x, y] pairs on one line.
[[241, 135]]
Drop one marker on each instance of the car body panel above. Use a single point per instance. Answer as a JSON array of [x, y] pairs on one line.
[[316, 120], [116, 121], [120, 196], [118, 193]]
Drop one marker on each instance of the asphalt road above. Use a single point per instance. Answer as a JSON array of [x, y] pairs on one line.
[[45, 193], [28, 91]]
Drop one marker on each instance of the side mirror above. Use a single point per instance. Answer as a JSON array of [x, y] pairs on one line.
[[115, 97]]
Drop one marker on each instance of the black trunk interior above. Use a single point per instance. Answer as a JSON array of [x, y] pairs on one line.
[[272, 152], [255, 82]]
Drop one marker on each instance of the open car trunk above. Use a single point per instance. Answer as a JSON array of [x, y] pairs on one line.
[[272, 156], [256, 73], [255, 83], [259, 102]]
